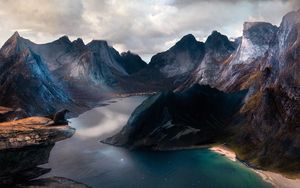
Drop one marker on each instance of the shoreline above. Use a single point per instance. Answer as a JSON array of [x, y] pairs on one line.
[[276, 179]]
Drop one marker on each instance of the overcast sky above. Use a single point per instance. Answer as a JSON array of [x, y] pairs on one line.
[[143, 27]]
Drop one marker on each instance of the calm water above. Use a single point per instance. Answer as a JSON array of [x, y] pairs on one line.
[[83, 158]]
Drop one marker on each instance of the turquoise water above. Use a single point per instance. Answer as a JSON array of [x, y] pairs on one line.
[[83, 158]]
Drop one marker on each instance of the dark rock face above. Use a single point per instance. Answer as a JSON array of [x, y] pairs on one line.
[[260, 33], [132, 63], [24, 145], [181, 59], [272, 111], [43, 78], [217, 50], [77, 63], [218, 42], [20, 165], [168, 70], [57, 182], [266, 62], [14, 45], [199, 115], [249, 58], [25, 83]]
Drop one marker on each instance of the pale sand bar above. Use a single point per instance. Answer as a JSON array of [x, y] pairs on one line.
[[275, 179]]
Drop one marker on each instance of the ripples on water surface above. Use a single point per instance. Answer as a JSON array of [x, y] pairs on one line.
[[83, 158]]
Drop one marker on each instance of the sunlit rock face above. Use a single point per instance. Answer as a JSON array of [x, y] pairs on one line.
[[217, 50], [24, 145], [227, 64], [256, 40], [288, 49], [32, 131], [14, 45], [288, 30], [249, 58]]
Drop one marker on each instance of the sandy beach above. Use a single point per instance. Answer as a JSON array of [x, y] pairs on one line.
[[277, 180]]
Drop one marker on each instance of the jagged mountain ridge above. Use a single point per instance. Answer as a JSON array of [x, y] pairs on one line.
[[272, 110], [266, 62], [31, 89], [131, 62], [168, 120], [93, 62], [82, 73], [180, 59], [218, 49]]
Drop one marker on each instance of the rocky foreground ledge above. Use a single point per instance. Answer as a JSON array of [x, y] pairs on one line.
[[32, 131], [25, 144]]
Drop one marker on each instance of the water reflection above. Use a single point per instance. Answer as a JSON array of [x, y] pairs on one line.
[[19, 166], [84, 159], [103, 121]]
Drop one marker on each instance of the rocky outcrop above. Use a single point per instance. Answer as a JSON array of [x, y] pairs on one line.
[[266, 62], [27, 84], [180, 60], [4, 111], [32, 131], [218, 50], [58, 182], [26, 144], [272, 111], [20, 165], [249, 58], [61, 73], [198, 115], [131, 62]]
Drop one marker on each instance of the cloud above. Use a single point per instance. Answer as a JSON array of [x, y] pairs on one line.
[[144, 27], [53, 16]]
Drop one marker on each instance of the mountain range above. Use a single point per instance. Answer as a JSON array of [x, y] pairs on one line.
[[264, 131], [255, 77]]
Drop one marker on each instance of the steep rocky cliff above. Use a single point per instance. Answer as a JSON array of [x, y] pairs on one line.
[[40, 78], [26, 83], [43, 78], [198, 115], [272, 111], [265, 130], [218, 50], [180, 60], [24, 145], [131, 62]]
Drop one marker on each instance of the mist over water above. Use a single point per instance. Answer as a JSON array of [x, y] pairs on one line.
[[83, 158]]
